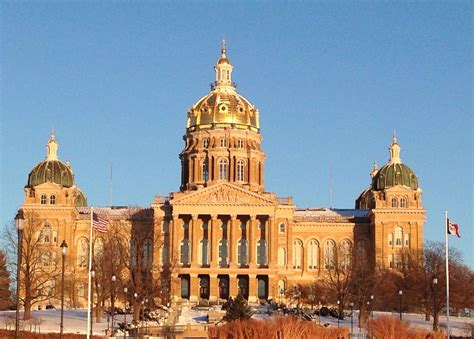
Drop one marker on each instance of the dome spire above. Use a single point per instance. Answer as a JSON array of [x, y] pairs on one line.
[[394, 150], [52, 147], [375, 169], [223, 68]]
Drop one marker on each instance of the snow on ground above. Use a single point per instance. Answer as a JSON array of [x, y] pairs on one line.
[[75, 321]]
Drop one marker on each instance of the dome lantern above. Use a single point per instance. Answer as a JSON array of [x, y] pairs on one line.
[[52, 147], [395, 150], [223, 68]]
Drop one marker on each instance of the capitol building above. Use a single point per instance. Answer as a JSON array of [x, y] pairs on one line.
[[222, 232]]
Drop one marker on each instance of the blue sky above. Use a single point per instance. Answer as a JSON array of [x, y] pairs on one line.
[[332, 81]]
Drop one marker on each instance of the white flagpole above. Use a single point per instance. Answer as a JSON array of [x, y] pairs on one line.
[[446, 226], [89, 280]]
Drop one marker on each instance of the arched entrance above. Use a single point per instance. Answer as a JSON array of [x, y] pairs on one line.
[[204, 287], [262, 286]]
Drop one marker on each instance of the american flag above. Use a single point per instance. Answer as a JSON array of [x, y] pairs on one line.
[[99, 223]]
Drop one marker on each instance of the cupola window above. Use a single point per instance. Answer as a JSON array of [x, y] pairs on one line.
[[223, 169], [205, 170], [403, 202], [52, 200], [240, 170], [394, 202], [43, 199]]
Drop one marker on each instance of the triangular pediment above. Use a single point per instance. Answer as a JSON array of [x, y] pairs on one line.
[[224, 194]]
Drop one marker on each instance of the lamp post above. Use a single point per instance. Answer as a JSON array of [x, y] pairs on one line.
[[372, 302], [143, 310], [352, 317], [435, 305], [125, 291], [135, 296], [112, 299], [400, 293], [338, 316], [92, 301], [146, 319], [19, 219], [63, 254]]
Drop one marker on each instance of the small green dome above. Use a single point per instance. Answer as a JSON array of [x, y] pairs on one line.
[[393, 174], [51, 171], [81, 200]]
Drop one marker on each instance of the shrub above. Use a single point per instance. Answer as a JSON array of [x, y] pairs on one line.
[[238, 309], [392, 327]]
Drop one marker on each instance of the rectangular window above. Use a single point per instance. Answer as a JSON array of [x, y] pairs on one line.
[[390, 239], [407, 239], [282, 228]]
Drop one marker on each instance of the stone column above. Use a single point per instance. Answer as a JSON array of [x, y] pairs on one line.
[[251, 240], [232, 232], [175, 232], [272, 241], [196, 171], [194, 240], [233, 286], [213, 287], [214, 241], [194, 288]]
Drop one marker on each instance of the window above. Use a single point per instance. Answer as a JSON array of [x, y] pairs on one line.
[[281, 256], [147, 254], [390, 261], [55, 237], [390, 239], [398, 261], [205, 170], [46, 259], [242, 252], [345, 249], [223, 250], [394, 202], [313, 254], [240, 143], [52, 199], [205, 143], [98, 247], [282, 228], [281, 287], [361, 251], [223, 169], [398, 236], [407, 239], [164, 255], [223, 142], [204, 251], [297, 253], [184, 251], [329, 254], [46, 234], [43, 199], [403, 202], [240, 170], [185, 287], [82, 250], [262, 252]]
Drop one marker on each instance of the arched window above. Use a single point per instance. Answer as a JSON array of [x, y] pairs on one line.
[[242, 252], [313, 254], [240, 170], [398, 236], [403, 202], [394, 202], [46, 234], [329, 254], [262, 252], [205, 170], [281, 256], [184, 251], [297, 253], [98, 247], [82, 250], [52, 199], [345, 251], [223, 250], [282, 228], [43, 199], [223, 169]]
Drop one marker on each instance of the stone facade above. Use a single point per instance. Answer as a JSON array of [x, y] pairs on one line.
[[222, 233]]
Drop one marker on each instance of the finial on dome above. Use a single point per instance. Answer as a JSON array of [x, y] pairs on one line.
[[223, 48], [375, 169], [394, 150], [52, 147]]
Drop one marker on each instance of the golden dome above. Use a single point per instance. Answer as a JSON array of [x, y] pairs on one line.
[[223, 107]]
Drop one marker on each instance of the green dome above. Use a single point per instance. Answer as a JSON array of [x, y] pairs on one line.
[[51, 171], [393, 174]]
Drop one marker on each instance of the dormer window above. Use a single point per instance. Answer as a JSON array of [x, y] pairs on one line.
[[43, 199], [52, 200]]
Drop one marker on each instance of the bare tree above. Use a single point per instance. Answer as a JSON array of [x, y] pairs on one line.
[[5, 293], [39, 268]]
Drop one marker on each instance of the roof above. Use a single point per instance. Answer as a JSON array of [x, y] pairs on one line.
[[116, 212]]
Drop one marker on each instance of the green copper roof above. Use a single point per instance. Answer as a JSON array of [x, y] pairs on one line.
[[393, 174], [51, 171]]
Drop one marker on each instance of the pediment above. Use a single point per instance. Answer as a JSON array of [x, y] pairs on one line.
[[224, 194]]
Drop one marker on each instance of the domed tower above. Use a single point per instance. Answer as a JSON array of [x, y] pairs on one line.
[[394, 199], [222, 140], [51, 182]]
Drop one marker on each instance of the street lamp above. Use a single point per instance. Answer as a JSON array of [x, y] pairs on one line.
[[63, 252], [19, 223], [135, 296], [352, 317], [338, 316], [92, 297], [146, 319], [400, 293], [372, 301], [435, 306], [125, 291], [112, 298], [143, 311]]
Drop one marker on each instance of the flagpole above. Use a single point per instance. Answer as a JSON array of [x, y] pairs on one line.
[[446, 223], [89, 280]]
